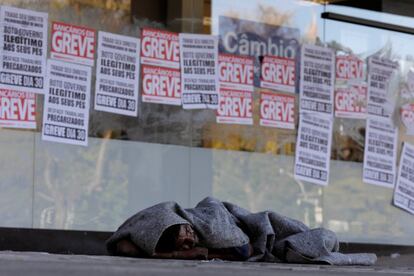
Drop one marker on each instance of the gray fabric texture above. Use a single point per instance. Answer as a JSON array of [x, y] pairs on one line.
[[274, 238]]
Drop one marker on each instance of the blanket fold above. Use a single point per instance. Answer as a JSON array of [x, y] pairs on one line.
[[226, 226]]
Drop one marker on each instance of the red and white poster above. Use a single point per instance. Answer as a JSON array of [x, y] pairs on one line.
[[17, 109], [161, 85], [351, 101], [236, 76], [72, 43], [236, 72], [160, 59], [235, 107], [407, 118], [160, 48], [278, 73], [349, 67], [277, 110]]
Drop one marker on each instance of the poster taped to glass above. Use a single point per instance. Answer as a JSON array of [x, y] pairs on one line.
[[117, 74], [380, 154], [66, 105], [199, 71], [73, 43], [317, 80], [313, 148], [23, 40], [17, 109], [404, 189]]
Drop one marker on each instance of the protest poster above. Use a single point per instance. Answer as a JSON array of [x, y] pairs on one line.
[[317, 79], [23, 40], [17, 109], [257, 39], [117, 74], [407, 117], [351, 101], [160, 48], [161, 85], [72, 43], [235, 107], [380, 154], [404, 189], [236, 88], [199, 71], [236, 72], [66, 105], [278, 74], [313, 148], [350, 68], [277, 110], [380, 102]]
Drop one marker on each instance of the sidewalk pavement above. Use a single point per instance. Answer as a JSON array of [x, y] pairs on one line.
[[35, 263]]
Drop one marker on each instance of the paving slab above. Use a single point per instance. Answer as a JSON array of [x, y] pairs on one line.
[[36, 263]]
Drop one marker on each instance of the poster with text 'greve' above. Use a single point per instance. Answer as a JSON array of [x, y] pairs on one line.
[[236, 75], [277, 110], [23, 42], [235, 107], [380, 153], [160, 59], [313, 148], [317, 79], [350, 68], [160, 48], [66, 105], [199, 71], [17, 109], [117, 74], [236, 72], [161, 85], [71, 43], [351, 101], [278, 74], [404, 189]]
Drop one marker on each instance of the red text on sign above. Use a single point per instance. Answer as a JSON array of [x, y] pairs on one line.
[[349, 67], [352, 99]]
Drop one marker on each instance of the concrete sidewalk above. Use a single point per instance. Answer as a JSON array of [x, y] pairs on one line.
[[35, 263]]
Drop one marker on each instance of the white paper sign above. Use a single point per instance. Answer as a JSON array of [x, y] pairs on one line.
[[380, 104], [117, 74], [23, 42], [380, 154], [66, 106], [199, 71], [313, 148], [404, 189], [317, 79]]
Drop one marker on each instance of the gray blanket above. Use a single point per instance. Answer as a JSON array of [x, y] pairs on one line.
[[274, 238]]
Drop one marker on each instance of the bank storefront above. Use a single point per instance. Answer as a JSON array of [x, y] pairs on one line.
[[245, 150]]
